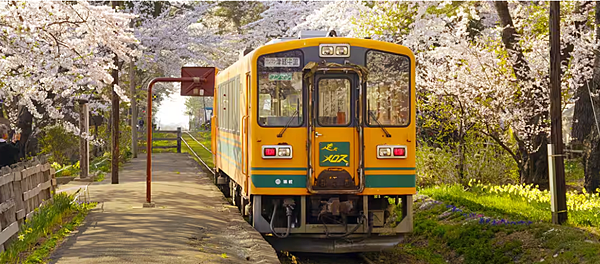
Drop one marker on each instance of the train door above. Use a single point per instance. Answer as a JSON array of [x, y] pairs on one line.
[[334, 135]]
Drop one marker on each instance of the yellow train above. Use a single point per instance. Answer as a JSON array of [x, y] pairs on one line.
[[314, 139]]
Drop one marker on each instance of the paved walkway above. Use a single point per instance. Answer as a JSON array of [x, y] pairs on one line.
[[192, 222]]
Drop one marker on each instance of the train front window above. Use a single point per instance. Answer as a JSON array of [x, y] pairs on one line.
[[388, 89], [280, 94], [334, 102]]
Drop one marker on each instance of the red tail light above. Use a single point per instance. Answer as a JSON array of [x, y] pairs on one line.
[[270, 151], [399, 151]]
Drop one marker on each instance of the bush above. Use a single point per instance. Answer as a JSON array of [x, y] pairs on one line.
[[485, 162], [63, 146]]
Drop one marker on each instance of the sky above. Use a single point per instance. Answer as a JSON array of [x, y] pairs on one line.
[[171, 113]]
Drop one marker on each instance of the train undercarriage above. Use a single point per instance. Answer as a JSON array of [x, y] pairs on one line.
[[326, 223]]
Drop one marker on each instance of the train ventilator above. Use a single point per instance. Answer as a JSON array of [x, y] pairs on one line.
[[314, 140]]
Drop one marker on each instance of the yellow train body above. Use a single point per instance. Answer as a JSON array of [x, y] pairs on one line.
[[318, 116]]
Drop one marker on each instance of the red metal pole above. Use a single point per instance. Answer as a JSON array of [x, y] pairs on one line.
[[149, 129]]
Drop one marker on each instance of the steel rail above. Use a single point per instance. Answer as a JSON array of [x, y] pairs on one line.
[[193, 152], [366, 259], [199, 142]]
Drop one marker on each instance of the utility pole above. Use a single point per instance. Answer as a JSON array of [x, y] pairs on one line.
[[556, 157], [115, 118], [134, 137]]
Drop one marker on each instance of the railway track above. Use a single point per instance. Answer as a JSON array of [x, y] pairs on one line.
[[287, 257], [194, 152], [312, 258]]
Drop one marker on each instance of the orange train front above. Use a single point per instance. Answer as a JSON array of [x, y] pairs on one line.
[[314, 139]]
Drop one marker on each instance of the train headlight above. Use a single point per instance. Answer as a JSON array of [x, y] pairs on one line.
[[276, 152], [391, 152], [334, 50], [385, 152], [341, 51], [327, 50], [284, 152]]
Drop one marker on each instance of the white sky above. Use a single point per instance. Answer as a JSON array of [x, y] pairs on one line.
[[171, 113]]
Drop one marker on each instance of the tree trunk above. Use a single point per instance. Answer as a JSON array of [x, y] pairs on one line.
[[591, 160], [583, 117], [534, 163], [585, 128], [533, 168], [25, 123]]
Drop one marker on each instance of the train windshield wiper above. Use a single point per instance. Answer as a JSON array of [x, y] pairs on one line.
[[288, 123], [371, 115]]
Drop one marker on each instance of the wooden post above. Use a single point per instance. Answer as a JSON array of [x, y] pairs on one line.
[[134, 137], [84, 146], [559, 216], [115, 118], [179, 140]]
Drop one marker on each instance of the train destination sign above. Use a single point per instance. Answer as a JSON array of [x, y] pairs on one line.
[[282, 62], [280, 76]]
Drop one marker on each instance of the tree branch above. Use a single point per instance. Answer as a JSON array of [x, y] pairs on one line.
[[510, 38], [504, 146]]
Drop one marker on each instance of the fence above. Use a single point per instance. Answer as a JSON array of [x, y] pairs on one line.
[[178, 138], [24, 187]]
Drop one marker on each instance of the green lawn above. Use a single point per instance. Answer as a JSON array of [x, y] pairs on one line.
[[447, 234], [518, 202], [142, 144]]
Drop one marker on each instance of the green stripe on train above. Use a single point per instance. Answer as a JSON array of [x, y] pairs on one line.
[[278, 169], [278, 181], [390, 181], [299, 181]]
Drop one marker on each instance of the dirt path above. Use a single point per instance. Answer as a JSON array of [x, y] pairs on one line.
[[192, 222]]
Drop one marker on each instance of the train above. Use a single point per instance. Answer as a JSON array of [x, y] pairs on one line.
[[313, 140]]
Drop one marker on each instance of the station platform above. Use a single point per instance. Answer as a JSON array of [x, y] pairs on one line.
[[191, 223]]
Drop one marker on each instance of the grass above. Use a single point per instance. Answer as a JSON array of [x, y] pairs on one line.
[[100, 177], [574, 173], [519, 202], [41, 226], [204, 138], [43, 251], [160, 143], [446, 234]]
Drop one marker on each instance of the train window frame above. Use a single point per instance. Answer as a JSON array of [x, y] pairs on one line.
[[350, 108], [303, 92], [365, 88]]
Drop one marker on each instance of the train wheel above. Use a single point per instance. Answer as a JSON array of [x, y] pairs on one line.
[[237, 198]]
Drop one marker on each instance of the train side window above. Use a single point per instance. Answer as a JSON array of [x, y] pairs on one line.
[[388, 89]]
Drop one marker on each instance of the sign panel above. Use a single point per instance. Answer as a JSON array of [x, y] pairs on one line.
[[282, 62], [334, 154], [282, 76], [205, 87]]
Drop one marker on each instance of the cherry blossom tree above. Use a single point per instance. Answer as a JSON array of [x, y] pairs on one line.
[[54, 52], [279, 20]]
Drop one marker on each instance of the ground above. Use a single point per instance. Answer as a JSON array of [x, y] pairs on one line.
[[192, 222]]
